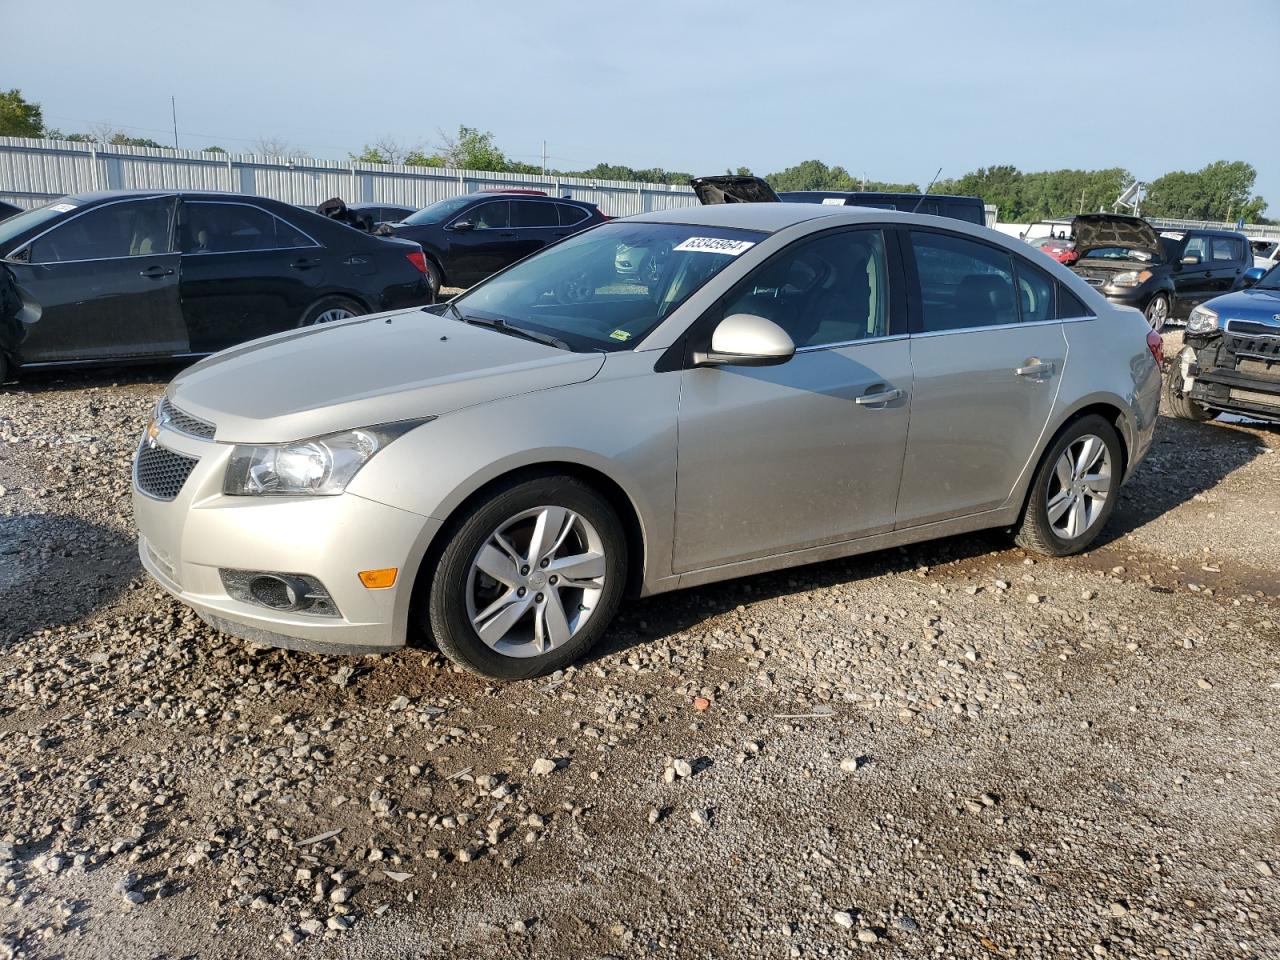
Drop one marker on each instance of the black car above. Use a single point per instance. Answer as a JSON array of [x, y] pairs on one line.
[[730, 188], [1163, 274], [134, 275], [473, 236], [7, 210]]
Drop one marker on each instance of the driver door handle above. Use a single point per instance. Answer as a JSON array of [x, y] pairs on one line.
[[1037, 369], [156, 272], [883, 396]]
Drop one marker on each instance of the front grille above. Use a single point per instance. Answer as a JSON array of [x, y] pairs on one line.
[[1095, 281], [184, 422], [160, 472]]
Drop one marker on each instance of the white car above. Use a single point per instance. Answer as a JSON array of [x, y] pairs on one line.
[[1266, 251]]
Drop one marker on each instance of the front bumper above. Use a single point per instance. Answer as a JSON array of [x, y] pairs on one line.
[[1233, 374], [186, 541]]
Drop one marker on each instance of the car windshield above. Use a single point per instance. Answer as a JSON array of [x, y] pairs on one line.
[[606, 288], [1120, 253], [440, 210], [21, 222]]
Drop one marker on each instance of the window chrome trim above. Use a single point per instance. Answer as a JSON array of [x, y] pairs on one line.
[[816, 347], [1017, 325], [80, 212], [251, 206]]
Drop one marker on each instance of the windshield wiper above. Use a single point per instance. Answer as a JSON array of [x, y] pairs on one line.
[[497, 323]]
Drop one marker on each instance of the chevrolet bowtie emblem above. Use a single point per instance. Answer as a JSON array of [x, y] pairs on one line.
[[153, 431]]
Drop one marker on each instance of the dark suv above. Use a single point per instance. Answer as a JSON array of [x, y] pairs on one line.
[[1162, 274], [473, 236]]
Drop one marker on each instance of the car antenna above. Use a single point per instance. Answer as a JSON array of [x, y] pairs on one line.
[[926, 190]]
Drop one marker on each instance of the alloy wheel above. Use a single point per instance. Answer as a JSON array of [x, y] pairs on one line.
[[536, 581], [334, 314], [1158, 313], [1079, 487]]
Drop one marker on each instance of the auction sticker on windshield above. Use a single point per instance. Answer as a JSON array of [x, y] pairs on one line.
[[731, 248]]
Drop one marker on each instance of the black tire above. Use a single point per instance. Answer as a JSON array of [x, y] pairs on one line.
[[1036, 532], [1178, 403], [1157, 311], [435, 279], [4, 367], [313, 314], [447, 618]]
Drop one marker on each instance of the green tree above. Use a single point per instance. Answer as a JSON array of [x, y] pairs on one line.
[[214, 149], [1223, 190], [19, 117]]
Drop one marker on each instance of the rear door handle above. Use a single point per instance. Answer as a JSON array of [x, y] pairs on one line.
[[507, 234], [1037, 369], [156, 272], [305, 263], [883, 396]]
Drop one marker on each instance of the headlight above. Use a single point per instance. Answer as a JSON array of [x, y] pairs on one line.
[[1130, 278], [1202, 320], [309, 468]]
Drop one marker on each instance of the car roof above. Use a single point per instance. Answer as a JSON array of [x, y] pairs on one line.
[[769, 217]]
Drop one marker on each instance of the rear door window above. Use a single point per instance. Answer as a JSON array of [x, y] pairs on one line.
[[530, 213], [963, 283], [569, 215], [129, 228], [1035, 292], [1226, 249]]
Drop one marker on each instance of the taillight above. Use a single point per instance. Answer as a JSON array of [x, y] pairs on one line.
[[1155, 343], [418, 259]]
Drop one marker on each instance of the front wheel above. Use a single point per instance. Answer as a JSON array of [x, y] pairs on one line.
[[1178, 403], [529, 580], [1157, 312], [1074, 490]]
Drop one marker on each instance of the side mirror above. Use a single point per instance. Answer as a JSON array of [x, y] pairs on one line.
[[746, 340], [1191, 258], [462, 225], [1252, 276]]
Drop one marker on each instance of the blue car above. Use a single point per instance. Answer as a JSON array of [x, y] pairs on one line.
[[1230, 360]]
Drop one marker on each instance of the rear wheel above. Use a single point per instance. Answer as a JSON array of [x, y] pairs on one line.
[[435, 279], [330, 310], [4, 367], [1178, 403], [1074, 490], [1157, 311], [529, 580]]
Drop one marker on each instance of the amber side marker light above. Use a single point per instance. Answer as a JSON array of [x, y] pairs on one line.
[[379, 579]]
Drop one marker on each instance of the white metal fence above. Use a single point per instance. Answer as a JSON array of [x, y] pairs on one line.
[[34, 171]]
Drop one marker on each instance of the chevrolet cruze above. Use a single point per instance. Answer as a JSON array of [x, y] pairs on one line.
[[796, 383]]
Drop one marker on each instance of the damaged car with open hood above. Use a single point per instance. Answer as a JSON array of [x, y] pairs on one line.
[[1163, 274]]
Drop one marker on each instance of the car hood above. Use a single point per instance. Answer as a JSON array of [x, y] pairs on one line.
[[367, 371], [728, 188], [1093, 230], [1254, 305]]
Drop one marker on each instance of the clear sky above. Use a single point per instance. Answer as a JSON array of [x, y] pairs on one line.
[[889, 90]]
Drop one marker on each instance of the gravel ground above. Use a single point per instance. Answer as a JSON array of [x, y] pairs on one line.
[[950, 750]]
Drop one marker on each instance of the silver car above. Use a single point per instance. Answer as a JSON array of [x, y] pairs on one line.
[[799, 382]]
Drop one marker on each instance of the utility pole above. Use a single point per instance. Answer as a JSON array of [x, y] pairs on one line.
[[173, 105], [544, 158]]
